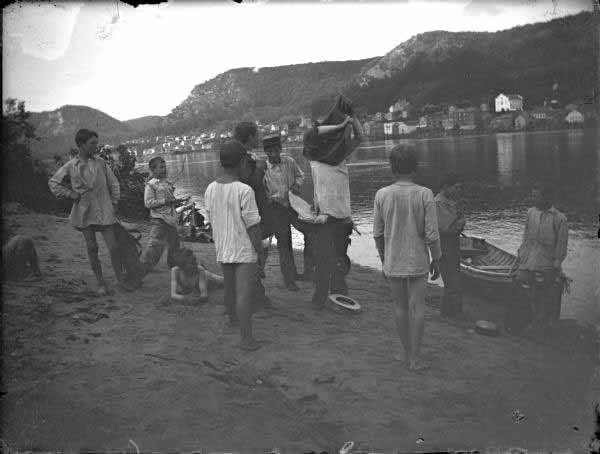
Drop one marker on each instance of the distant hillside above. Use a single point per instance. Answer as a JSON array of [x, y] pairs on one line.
[[57, 128], [433, 67], [267, 94], [443, 67], [144, 123]]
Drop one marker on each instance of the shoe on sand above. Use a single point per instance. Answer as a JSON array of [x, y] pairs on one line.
[[417, 365], [250, 346]]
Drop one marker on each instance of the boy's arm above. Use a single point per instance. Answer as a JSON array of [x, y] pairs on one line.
[[251, 219], [298, 177], [432, 235], [56, 184], [378, 229], [174, 295], [324, 129], [151, 200], [521, 249], [561, 243], [113, 184], [358, 135]]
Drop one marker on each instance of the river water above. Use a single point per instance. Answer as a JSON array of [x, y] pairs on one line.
[[497, 170]]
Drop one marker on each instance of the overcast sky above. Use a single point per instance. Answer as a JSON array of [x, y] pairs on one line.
[[131, 62]]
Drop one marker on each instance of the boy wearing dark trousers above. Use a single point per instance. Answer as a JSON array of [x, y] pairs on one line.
[[159, 198]]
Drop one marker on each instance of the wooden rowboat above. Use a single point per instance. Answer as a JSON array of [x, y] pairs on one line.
[[484, 262]]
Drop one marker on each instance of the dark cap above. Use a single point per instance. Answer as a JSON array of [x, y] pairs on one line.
[[272, 141], [231, 154]]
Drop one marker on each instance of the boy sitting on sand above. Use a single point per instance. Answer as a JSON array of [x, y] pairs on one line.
[[19, 260], [231, 209], [190, 281]]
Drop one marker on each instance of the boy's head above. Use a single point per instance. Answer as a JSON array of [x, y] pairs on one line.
[[272, 147], [246, 133], [450, 185], [403, 160], [542, 195], [231, 156], [158, 167], [87, 142], [186, 260]]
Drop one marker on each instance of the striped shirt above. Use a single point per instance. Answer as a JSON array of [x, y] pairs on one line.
[[231, 209], [279, 179], [158, 198]]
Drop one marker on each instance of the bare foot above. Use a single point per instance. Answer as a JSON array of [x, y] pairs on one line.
[[292, 287], [250, 346], [417, 365], [400, 357], [102, 290]]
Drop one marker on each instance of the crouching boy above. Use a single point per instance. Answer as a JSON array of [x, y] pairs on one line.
[[159, 198]]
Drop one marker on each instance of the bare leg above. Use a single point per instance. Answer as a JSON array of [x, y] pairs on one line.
[[92, 250], [115, 255], [416, 310], [244, 281], [229, 291], [400, 305], [203, 284], [33, 262], [215, 279]]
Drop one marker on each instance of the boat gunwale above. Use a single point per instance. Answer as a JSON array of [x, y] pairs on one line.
[[475, 272]]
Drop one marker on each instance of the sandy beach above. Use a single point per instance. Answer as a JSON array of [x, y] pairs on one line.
[[92, 373]]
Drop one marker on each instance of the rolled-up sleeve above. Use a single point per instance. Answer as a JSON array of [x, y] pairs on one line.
[[562, 238], [432, 235], [298, 173], [207, 202], [56, 182], [151, 198], [378, 223], [249, 208], [113, 184]]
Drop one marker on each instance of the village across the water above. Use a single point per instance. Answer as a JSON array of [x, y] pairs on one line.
[[504, 113]]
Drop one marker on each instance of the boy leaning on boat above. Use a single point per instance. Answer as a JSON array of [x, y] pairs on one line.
[[538, 272]]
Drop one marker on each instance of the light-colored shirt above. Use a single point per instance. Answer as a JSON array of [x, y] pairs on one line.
[[544, 240], [448, 215], [231, 209], [405, 215], [98, 187], [279, 179], [331, 189], [156, 195]]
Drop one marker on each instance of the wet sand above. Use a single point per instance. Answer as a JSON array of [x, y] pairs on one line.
[[86, 372]]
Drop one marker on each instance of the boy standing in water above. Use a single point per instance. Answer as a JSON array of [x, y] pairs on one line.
[[231, 209], [404, 228], [159, 197]]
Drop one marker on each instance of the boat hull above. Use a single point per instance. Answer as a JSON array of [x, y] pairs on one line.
[[486, 267]]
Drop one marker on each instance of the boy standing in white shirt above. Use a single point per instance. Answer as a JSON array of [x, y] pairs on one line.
[[406, 231], [232, 211]]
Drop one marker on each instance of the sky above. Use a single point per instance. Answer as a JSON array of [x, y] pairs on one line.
[[131, 62]]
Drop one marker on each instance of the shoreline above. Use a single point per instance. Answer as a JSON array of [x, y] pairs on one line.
[[83, 372], [298, 145]]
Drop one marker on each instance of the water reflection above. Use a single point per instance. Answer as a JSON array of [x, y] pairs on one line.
[[570, 160]]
